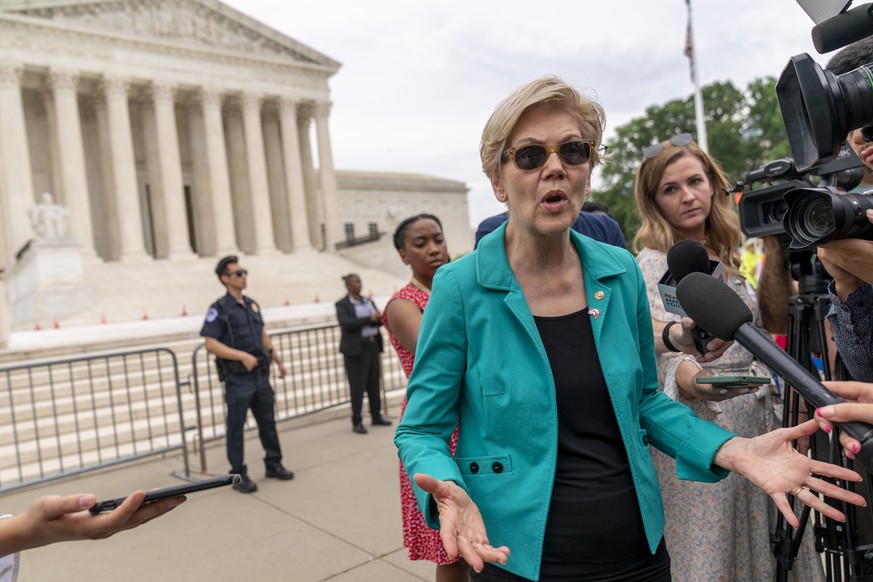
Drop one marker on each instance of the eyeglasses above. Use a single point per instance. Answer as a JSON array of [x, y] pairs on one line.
[[652, 151], [531, 157], [238, 273]]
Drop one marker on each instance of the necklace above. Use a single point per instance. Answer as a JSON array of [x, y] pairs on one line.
[[419, 285]]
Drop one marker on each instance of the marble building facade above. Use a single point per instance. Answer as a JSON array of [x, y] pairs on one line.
[[176, 129]]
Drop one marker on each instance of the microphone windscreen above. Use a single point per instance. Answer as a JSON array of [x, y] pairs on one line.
[[712, 305], [843, 29], [687, 256]]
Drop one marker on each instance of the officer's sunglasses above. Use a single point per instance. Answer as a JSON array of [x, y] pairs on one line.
[[238, 273], [531, 157]]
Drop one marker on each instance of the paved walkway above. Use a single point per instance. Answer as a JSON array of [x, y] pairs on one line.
[[338, 520]]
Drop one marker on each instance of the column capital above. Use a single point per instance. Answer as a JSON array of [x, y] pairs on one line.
[[322, 108], [288, 103], [211, 95], [163, 90], [252, 99], [63, 80], [10, 73], [116, 85]]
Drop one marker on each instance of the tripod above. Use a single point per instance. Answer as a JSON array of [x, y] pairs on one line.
[[844, 559]]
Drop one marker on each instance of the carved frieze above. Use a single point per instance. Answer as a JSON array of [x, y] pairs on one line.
[[177, 20]]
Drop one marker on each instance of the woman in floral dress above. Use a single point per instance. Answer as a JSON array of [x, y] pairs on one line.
[[715, 532], [420, 243]]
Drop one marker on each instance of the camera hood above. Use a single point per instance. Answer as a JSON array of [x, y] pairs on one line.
[[819, 108], [812, 121]]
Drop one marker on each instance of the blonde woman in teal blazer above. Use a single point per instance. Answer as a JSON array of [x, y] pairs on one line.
[[480, 360]]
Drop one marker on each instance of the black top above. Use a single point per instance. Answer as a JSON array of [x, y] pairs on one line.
[[594, 529]]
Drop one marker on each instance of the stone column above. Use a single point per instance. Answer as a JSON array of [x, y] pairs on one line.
[[329, 193], [124, 182], [170, 164], [16, 188], [71, 155], [204, 225], [276, 179], [257, 166], [294, 173], [313, 207], [219, 179]]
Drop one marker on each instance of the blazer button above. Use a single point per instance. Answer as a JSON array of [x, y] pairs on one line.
[[497, 467], [646, 440], [474, 468]]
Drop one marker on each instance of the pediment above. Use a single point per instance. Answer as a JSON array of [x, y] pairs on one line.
[[195, 23]]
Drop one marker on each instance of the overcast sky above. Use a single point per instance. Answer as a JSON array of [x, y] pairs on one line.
[[420, 78]]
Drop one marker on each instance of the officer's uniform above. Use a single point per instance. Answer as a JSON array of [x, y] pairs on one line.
[[240, 327]]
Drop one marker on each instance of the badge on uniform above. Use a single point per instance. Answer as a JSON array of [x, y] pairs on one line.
[[594, 312], [255, 307], [211, 315]]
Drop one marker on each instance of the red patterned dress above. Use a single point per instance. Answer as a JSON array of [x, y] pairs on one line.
[[422, 542]]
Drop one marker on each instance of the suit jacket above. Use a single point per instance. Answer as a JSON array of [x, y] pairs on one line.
[[480, 360], [350, 324]]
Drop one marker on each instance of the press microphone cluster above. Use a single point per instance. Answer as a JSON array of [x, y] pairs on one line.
[[683, 258], [716, 308]]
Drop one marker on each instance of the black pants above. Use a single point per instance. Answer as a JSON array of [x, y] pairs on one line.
[[241, 393], [363, 372]]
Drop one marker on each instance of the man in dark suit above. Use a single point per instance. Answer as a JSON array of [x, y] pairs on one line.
[[361, 346]]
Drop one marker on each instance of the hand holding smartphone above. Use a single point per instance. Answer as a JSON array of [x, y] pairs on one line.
[[732, 381], [174, 491]]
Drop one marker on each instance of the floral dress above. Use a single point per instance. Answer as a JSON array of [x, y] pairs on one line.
[[422, 542], [720, 531]]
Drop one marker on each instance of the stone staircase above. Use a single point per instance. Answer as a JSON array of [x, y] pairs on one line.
[[82, 397]]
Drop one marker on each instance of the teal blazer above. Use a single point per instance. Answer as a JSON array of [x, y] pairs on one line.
[[480, 361]]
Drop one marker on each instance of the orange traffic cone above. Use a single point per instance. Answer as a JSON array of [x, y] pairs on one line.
[[184, 311], [37, 327], [56, 325], [316, 300], [287, 302], [145, 315], [102, 318]]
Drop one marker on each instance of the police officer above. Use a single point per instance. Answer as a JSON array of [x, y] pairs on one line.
[[234, 333]]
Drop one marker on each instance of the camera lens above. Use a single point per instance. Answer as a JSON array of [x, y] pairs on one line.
[[817, 216]]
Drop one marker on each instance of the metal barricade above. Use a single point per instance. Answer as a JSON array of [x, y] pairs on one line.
[[315, 380], [68, 416]]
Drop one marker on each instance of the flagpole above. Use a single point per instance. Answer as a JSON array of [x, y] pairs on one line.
[[698, 96]]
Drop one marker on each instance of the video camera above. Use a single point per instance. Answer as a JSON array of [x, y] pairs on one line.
[[819, 109]]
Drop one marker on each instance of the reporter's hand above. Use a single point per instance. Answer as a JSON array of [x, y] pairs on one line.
[[859, 408], [686, 379], [462, 530], [849, 261], [684, 340], [55, 518]]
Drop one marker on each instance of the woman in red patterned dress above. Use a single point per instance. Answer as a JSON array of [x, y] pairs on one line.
[[420, 243]]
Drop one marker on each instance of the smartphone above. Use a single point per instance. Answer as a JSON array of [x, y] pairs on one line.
[[732, 380], [174, 491]]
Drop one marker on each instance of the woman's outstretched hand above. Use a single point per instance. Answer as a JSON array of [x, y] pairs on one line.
[[770, 462], [462, 530]]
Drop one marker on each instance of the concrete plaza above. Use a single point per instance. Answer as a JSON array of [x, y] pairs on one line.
[[338, 520]]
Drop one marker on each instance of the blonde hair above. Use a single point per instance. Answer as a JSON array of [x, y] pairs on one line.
[[548, 92], [722, 227]]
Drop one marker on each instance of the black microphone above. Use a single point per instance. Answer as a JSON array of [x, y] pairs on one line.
[[715, 306], [843, 29], [683, 258]]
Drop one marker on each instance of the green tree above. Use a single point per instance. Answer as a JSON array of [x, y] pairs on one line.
[[744, 131]]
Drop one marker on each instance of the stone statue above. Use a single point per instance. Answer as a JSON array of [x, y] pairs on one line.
[[49, 220]]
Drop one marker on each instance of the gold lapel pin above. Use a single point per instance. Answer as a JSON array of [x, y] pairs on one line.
[[599, 295]]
